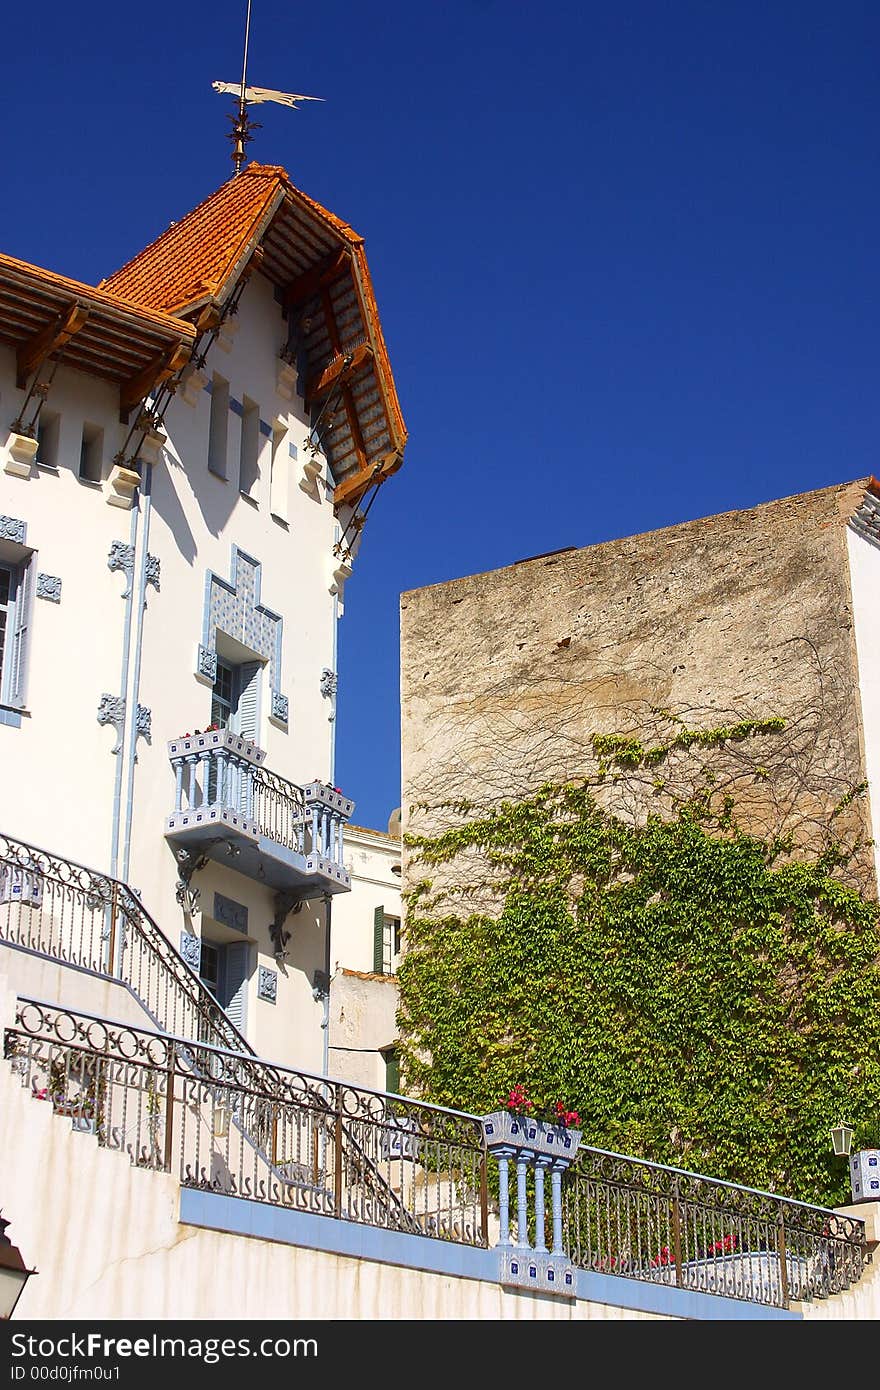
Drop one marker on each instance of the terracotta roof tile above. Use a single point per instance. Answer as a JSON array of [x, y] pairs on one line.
[[193, 259]]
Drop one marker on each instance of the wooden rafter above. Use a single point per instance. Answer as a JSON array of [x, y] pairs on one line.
[[32, 354], [163, 366], [319, 384], [319, 277], [330, 320]]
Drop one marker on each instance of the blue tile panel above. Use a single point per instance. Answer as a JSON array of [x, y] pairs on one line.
[[234, 607], [239, 1216]]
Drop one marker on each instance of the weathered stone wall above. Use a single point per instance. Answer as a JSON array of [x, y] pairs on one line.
[[741, 616]]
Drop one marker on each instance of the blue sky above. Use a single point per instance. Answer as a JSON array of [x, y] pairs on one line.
[[625, 254]]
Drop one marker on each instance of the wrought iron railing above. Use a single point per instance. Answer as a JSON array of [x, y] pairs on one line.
[[644, 1221], [236, 1125], [279, 809], [71, 913]]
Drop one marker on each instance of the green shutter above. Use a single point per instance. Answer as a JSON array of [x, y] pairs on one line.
[[392, 1070], [379, 940]]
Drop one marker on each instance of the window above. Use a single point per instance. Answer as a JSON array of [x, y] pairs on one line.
[[16, 582], [224, 970], [91, 454], [48, 430], [386, 942], [279, 478], [249, 458], [218, 432], [235, 705]]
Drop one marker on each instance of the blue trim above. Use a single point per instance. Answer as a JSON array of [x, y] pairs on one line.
[[239, 1216], [265, 429], [12, 717], [292, 450], [236, 406]]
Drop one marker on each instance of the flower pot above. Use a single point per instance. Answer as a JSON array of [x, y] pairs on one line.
[[506, 1131]]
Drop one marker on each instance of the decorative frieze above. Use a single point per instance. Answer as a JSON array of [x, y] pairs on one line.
[[267, 984], [11, 529], [49, 587], [230, 913]]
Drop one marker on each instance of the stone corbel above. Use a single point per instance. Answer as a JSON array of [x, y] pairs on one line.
[[21, 453], [121, 487], [286, 380], [226, 335], [192, 384]]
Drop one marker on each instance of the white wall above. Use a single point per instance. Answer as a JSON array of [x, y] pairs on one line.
[[58, 776]]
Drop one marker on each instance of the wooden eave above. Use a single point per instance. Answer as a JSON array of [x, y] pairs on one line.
[[110, 338], [318, 266]]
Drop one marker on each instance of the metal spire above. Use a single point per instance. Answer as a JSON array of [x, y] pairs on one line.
[[242, 126]]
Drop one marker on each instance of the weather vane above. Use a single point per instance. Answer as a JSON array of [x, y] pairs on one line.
[[242, 126]]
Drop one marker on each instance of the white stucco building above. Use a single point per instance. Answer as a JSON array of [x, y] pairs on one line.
[[185, 456]]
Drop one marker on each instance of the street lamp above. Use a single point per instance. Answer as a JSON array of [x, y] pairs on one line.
[[841, 1140], [14, 1274]]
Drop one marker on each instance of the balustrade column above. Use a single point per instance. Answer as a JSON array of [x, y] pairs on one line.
[[249, 790], [522, 1209], [503, 1200], [178, 787], [205, 759], [220, 757], [556, 1189], [540, 1243], [191, 761], [316, 848], [339, 842]]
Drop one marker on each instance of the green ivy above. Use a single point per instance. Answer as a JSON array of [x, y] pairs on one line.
[[699, 996]]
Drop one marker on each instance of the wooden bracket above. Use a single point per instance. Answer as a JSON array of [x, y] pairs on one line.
[[318, 385], [32, 354], [352, 489], [163, 366]]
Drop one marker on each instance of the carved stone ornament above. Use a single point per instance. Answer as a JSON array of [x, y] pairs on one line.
[[49, 586], [280, 707], [11, 529], [207, 664], [111, 710], [267, 984]]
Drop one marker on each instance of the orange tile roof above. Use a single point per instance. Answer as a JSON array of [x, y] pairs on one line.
[[197, 259], [192, 261]]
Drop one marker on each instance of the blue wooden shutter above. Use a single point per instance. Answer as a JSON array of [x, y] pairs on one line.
[[25, 579], [379, 941], [235, 983], [248, 711]]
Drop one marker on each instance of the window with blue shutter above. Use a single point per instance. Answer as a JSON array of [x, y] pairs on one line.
[[16, 602], [235, 983], [247, 713]]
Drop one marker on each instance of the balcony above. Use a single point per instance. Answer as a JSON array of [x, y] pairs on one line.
[[230, 808]]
